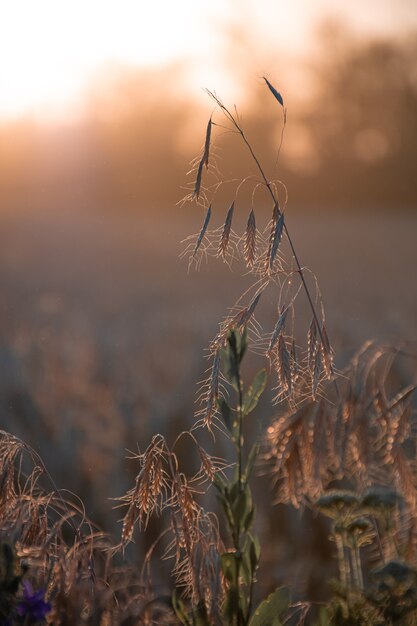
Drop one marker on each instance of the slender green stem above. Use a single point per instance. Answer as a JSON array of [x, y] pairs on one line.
[[240, 474], [240, 441]]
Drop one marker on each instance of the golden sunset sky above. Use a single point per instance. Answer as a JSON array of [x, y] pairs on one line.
[[51, 50]]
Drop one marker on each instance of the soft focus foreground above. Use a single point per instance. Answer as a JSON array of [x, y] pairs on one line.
[[103, 330]]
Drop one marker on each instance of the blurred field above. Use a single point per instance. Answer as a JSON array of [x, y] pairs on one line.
[[102, 342], [103, 331]]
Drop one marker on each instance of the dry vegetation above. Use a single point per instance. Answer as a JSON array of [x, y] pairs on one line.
[[341, 445]]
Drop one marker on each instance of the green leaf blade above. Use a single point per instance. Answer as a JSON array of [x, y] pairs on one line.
[[254, 392], [271, 610]]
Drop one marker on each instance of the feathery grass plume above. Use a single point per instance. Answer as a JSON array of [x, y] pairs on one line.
[[317, 441], [10, 453], [202, 232], [279, 327], [294, 361], [278, 226], [129, 522], [205, 565], [296, 455], [206, 568], [403, 396], [195, 544], [239, 320], [224, 240], [209, 394], [146, 497], [243, 320], [208, 468], [249, 246], [197, 565], [33, 522], [276, 214], [187, 507], [329, 433], [276, 239], [372, 425], [283, 367], [397, 418], [327, 353], [323, 464], [352, 438], [313, 340], [186, 515], [68, 558], [316, 372]]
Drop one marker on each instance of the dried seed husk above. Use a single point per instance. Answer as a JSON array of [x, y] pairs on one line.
[[279, 327], [327, 353], [276, 239], [284, 365], [205, 159], [203, 231], [274, 92], [249, 248], [197, 185], [224, 241], [312, 342]]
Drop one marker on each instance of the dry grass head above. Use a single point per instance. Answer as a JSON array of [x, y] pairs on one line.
[[363, 436], [162, 488], [301, 368], [64, 554]]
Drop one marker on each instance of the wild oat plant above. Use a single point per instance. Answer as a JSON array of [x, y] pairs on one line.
[[342, 444]]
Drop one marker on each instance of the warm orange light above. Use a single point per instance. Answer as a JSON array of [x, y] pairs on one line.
[[49, 49]]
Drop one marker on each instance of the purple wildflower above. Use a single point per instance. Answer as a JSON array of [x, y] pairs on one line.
[[32, 606]]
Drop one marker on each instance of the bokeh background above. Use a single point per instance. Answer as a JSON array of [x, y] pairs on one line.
[[102, 108]]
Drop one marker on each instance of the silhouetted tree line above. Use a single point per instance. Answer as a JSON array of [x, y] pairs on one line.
[[364, 124], [351, 145]]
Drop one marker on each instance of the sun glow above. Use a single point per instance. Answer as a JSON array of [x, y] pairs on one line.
[[49, 50]]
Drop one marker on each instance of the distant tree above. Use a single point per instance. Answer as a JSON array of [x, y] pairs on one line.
[[363, 125]]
